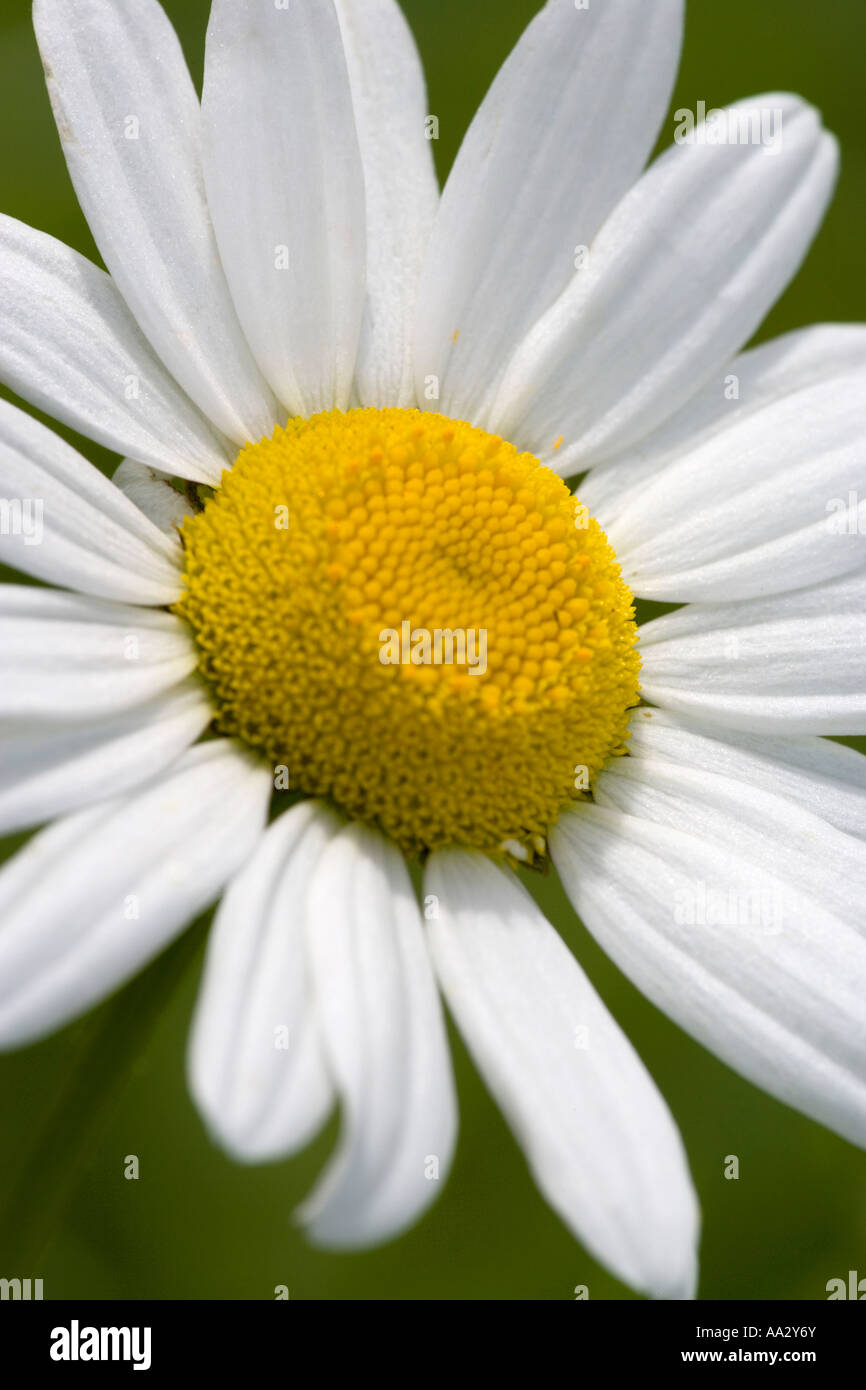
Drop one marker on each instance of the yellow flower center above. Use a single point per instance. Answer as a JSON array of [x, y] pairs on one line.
[[414, 619]]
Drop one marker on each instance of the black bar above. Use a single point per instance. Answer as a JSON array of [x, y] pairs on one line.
[[227, 1337]]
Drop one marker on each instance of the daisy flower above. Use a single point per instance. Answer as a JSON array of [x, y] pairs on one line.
[[346, 408]]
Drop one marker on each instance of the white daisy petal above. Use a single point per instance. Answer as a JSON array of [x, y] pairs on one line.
[[823, 777], [97, 895], [66, 523], [741, 391], [763, 975], [154, 495], [771, 503], [598, 1137], [679, 277], [69, 346], [769, 830], [256, 1067], [562, 134], [385, 1040], [129, 122], [67, 657], [286, 192], [793, 664], [47, 770], [402, 194]]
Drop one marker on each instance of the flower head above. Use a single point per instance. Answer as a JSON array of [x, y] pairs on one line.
[[340, 559]]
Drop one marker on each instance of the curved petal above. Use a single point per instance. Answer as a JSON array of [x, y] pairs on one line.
[[771, 503], [93, 898], [760, 973], [286, 192], [69, 346], [793, 664], [825, 778], [48, 770], [152, 493], [256, 1066], [598, 1137], [739, 393], [129, 122], [678, 279], [64, 522], [783, 839], [67, 657], [401, 191], [564, 131], [385, 1040]]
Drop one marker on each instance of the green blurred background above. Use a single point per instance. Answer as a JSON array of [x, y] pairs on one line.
[[196, 1226]]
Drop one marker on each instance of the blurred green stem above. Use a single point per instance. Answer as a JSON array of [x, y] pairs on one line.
[[117, 1036]]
